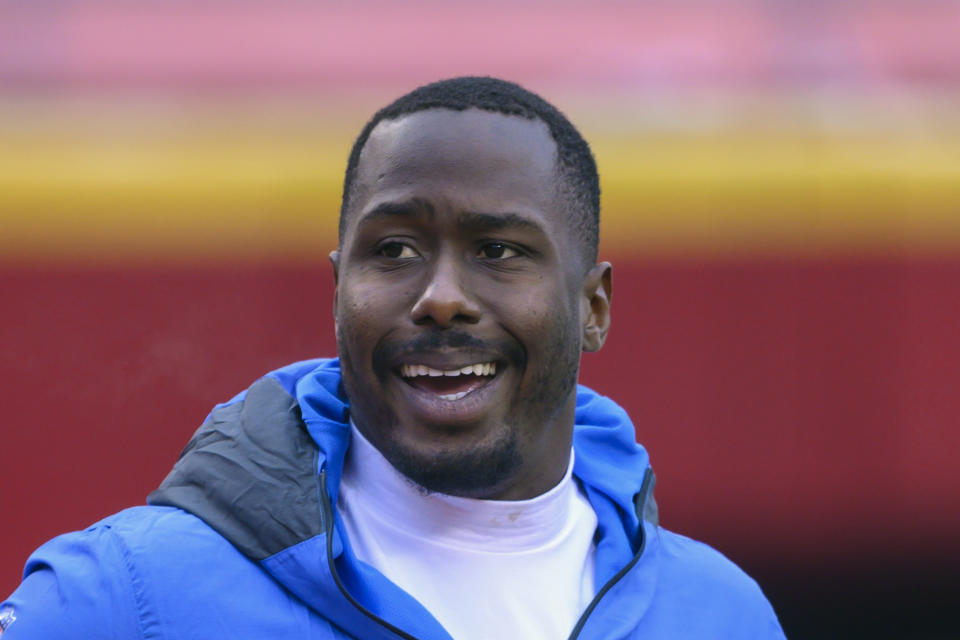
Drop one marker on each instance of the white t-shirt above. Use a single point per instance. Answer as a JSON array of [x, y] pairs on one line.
[[486, 569]]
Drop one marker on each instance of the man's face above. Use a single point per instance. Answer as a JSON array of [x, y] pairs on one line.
[[462, 304]]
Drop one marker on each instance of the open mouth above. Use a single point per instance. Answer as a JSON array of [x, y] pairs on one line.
[[449, 384]]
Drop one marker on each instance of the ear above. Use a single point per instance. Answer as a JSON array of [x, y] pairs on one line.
[[595, 306], [335, 262]]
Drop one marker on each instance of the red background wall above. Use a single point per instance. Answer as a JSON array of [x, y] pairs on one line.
[[799, 413]]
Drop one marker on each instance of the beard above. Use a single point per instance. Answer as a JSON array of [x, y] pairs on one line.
[[472, 473], [483, 468]]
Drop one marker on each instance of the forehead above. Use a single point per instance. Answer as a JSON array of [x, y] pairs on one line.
[[476, 158]]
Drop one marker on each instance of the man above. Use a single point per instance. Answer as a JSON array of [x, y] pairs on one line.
[[445, 477]]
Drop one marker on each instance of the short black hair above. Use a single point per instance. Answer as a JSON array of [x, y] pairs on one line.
[[576, 168]]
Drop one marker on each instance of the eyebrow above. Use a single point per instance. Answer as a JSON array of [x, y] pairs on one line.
[[417, 208], [498, 221], [414, 208]]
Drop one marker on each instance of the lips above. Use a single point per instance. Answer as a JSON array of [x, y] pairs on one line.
[[449, 383], [448, 378], [436, 390]]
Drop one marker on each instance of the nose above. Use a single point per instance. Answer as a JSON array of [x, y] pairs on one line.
[[444, 300]]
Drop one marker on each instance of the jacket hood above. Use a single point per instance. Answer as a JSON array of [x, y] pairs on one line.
[[264, 469]]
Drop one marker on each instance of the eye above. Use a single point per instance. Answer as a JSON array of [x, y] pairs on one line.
[[497, 251], [396, 250]]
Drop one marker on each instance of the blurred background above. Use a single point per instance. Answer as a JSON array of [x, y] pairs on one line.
[[781, 203]]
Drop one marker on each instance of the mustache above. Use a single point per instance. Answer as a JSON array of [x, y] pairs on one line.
[[386, 353]]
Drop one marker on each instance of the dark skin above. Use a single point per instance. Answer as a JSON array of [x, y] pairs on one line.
[[457, 252]]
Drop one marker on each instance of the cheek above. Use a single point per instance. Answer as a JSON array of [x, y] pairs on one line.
[[366, 294], [558, 337], [543, 318], [354, 314]]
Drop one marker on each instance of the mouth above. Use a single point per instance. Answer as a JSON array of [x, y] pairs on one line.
[[449, 384]]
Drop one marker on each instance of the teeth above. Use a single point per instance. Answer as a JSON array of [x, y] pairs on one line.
[[454, 396], [479, 369]]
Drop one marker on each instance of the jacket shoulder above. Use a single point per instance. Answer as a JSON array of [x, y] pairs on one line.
[[143, 573], [80, 585], [715, 596]]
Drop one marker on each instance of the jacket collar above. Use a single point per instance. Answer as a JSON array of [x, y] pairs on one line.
[[608, 459], [609, 463], [264, 471]]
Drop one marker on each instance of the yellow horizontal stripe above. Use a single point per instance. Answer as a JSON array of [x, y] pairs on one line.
[[781, 192], [262, 191]]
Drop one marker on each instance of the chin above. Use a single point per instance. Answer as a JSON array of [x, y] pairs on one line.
[[475, 472]]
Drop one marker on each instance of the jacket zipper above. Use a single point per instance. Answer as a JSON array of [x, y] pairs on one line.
[[640, 502], [326, 515]]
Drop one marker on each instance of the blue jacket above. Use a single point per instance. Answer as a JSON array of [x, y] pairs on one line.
[[242, 540]]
